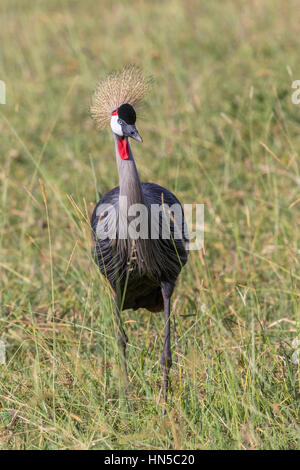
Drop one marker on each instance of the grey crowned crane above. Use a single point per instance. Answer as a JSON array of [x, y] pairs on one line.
[[142, 265]]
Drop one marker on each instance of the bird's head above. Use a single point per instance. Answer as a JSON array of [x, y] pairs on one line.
[[122, 122], [113, 103]]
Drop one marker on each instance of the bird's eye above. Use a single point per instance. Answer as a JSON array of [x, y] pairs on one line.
[[120, 122]]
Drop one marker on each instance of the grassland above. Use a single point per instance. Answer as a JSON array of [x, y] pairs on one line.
[[219, 128]]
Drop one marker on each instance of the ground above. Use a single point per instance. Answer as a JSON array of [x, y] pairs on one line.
[[219, 128]]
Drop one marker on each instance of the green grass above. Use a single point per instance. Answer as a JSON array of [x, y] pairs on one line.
[[223, 72]]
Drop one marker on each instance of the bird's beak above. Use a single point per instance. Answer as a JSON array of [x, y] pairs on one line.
[[131, 131]]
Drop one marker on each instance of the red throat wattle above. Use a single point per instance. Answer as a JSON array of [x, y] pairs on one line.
[[123, 148]]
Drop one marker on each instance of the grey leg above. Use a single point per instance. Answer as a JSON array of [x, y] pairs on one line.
[[122, 341], [166, 357]]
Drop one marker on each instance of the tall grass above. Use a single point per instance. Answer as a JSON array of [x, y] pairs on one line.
[[219, 128]]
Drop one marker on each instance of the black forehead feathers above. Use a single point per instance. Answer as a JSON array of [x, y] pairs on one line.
[[127, 113]]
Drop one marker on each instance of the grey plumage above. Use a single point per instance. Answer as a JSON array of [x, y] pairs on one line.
[[143, 261], [151, 260]]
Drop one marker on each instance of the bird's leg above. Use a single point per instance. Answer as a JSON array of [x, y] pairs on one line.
[[166, 357], [122, 340]]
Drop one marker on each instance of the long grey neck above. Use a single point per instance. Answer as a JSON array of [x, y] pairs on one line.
[[139, 253], [129, 181]]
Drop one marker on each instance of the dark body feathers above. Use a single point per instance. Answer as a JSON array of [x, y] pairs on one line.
[[141, 279]]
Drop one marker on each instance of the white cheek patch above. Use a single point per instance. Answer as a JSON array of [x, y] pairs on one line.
[[115, 126]]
